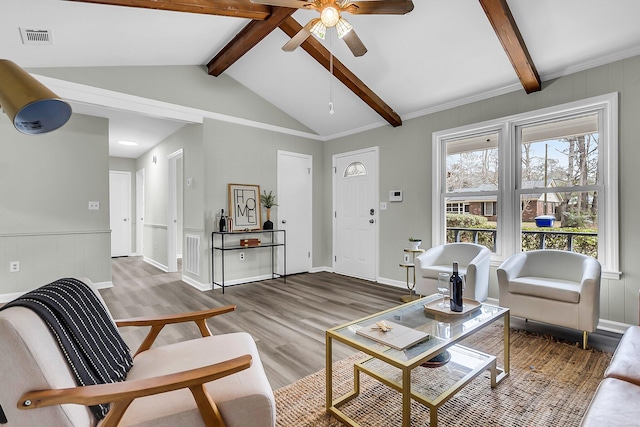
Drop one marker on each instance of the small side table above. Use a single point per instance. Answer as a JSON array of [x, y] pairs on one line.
[[411, 266]]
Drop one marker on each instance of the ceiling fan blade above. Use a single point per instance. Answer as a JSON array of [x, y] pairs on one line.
[[354, 43], [387, 7], [300, 36], [298, 4]]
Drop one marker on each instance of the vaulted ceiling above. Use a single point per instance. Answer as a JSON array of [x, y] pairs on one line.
[[442, 53]]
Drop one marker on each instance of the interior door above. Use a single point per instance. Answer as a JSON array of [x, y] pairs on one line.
[[120, 212], [356, 213], [294, 199]]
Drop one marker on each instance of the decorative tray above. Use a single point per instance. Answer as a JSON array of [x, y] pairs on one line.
[[468, 305]]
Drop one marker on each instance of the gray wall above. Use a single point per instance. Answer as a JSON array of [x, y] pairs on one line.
[[243, 155], [405, 163], [225, 152], [46, 182]]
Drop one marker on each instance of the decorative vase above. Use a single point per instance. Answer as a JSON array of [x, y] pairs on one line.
[[414, 244], [268, 225]]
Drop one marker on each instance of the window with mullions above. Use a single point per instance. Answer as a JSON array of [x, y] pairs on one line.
[[540, 180]]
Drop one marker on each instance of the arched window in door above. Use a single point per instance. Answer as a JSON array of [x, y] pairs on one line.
[[355, 169]]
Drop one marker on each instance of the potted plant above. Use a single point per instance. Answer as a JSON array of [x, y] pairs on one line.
[[414, 242], [268, 201]]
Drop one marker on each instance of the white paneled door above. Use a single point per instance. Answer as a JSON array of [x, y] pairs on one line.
[[120, 212], [294, 199], [355, 227]]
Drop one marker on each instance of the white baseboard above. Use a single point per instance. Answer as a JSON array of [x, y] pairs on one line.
[[611, 326], [321, 270], [243, 280], [10, 297], [103, 285], [194, 283], [156, 264], [392, 282]]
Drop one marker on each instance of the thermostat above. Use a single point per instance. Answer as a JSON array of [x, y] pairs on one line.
[[395, 195]]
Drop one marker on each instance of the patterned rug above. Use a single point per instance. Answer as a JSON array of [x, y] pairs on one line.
[[550, 384]]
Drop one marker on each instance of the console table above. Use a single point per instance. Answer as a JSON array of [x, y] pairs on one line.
[[274, 239]]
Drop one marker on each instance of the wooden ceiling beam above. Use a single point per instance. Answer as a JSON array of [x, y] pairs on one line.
[[507, 31], [314, 48], [234, 8], [245, 40]]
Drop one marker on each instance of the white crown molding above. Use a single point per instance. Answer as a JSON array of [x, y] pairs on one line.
[[90, 95]]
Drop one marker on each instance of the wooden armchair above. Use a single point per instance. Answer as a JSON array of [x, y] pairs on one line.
[[209, 381]]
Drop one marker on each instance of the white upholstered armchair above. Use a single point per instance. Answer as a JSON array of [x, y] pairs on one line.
[[473, 262], [557, 287]]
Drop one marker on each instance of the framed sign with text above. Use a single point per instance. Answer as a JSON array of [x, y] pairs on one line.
[[244, 206]]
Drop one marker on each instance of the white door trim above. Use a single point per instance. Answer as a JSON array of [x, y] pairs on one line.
[[334, 160], [172, 206], [140, 212]]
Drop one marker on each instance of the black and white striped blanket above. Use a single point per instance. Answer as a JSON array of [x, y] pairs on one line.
[[84, 331]]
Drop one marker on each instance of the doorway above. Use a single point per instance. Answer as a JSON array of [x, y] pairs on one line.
[[120, 212], [355, 219], [174, 211], [295, 205]]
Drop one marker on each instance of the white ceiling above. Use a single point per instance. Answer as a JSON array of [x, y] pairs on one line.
[[444, 52]]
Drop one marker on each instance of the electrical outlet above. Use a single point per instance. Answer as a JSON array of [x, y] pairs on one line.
[[407, 258], [94, 206], [14, 266], [241, 256]]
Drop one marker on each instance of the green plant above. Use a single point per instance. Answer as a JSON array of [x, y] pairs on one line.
[[415, 239], [268, 200]]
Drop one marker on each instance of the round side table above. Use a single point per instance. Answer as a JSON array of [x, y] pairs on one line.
[[411, 266]]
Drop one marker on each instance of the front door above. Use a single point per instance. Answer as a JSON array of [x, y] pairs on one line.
[[355, 213], [120, 212]]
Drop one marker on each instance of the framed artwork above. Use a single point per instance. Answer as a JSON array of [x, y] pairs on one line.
[[244, 206]]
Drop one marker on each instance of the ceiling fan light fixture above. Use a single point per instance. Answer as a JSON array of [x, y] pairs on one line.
[[343, 27], [319, 30], [329, 16]]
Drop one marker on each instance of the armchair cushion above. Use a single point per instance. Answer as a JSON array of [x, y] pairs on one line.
[[244, 399], [559, 290]]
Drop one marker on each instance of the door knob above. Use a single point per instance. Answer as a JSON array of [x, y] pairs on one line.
[[124, 219], [372, 212], [284, 221], [371, 221]]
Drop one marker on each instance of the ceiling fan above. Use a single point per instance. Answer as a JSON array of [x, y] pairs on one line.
[[331, 16]]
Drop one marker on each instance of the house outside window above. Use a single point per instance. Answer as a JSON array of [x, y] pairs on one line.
[[546, 179]]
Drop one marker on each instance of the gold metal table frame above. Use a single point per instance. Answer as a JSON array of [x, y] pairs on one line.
[[445, 334]]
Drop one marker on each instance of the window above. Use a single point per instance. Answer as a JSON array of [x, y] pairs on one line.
[[546, 179], [355, 169]]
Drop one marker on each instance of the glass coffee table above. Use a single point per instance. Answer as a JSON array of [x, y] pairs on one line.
[[394, 367]]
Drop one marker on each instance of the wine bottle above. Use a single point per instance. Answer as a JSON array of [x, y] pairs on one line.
[[223, 222], [456, 289]]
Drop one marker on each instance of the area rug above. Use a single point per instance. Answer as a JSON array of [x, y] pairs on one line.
[[550, 384]]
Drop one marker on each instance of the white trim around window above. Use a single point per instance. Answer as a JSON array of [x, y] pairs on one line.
[[507, 240]]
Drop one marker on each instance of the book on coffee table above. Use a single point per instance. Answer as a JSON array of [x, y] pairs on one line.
[[398, 336]]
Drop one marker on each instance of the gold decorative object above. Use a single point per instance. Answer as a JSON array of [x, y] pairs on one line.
[[382, 326]]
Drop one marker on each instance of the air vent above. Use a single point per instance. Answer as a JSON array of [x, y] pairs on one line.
[[30, 36]]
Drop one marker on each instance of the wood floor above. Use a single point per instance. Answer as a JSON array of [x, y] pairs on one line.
[[288, 321]]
